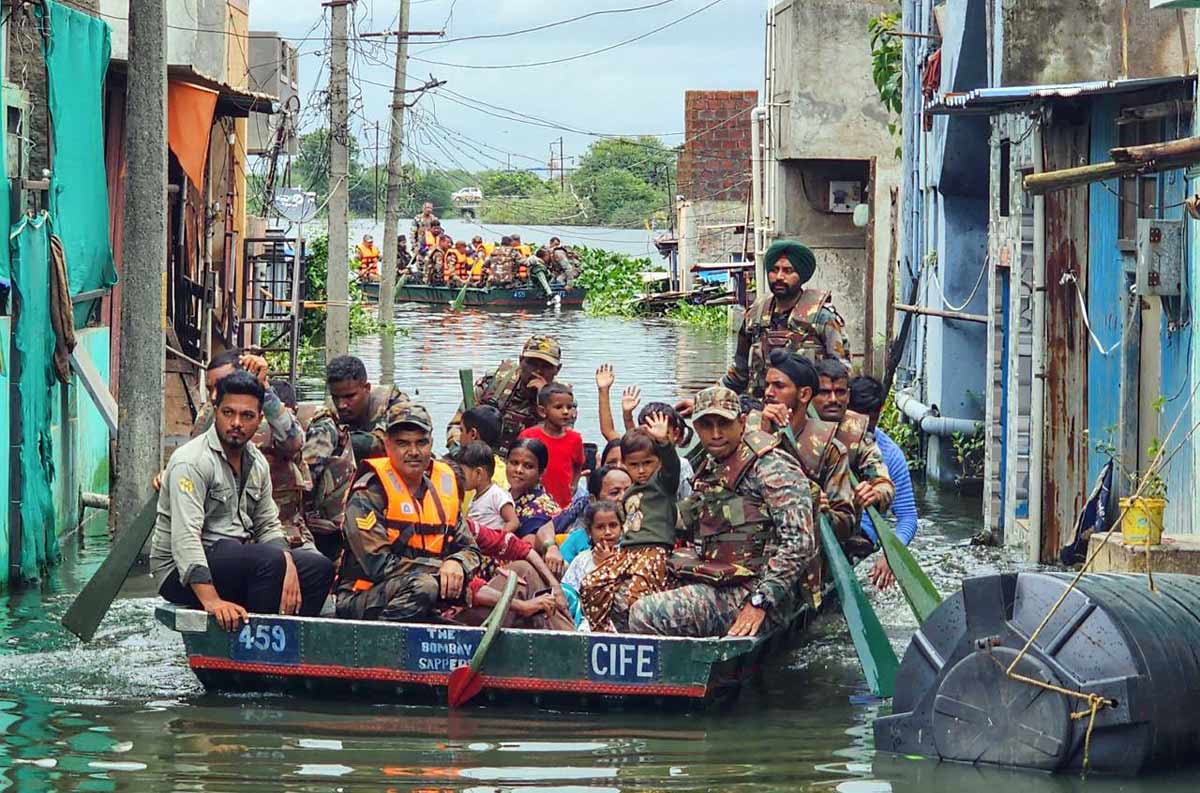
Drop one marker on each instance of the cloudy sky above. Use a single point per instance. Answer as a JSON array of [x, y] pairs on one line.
[[633, 88]]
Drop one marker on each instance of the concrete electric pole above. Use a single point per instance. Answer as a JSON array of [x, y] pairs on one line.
[[143, 264], [337, 284], [391, 211]]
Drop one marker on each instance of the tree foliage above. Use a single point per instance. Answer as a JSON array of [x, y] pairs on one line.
[[887, 60]]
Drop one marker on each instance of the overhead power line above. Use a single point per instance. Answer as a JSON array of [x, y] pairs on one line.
[[576, 57], [549, 25]]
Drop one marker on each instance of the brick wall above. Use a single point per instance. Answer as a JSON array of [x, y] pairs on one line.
[[715, 161]]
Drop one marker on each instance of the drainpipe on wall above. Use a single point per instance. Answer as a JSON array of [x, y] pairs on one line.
[[757, 116], [930, 421]]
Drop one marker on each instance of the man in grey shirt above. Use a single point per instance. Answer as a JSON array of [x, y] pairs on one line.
[[218, 543]]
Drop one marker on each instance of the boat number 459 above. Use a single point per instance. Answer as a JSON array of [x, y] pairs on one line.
[[263, 637]]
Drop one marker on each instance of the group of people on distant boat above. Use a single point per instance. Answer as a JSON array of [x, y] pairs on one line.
[[345, 510], [436, 259]]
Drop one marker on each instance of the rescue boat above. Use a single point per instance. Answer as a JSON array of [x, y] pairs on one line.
[[412, 662], [494, 297]]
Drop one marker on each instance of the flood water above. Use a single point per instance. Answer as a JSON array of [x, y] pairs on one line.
[[125, 712]]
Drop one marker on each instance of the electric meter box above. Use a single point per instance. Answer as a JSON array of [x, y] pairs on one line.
[[1160, 252], [844, 196]]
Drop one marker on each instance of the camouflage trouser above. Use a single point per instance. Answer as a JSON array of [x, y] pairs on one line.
[[409, 597], [693, 610], [291, 517]]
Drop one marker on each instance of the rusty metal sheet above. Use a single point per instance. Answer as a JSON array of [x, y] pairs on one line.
[[1064, 366]]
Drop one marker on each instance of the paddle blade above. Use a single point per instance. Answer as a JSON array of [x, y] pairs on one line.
[[89, 608], [465, 682], [922, 596], [463, 685], [466, 381], [458, 301], [875, 652]]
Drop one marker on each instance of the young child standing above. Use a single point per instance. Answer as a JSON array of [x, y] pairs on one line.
[[492, 505], [556, 403], [639, 567]]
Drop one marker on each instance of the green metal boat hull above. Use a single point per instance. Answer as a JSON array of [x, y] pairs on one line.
[[411, 663], [531, 297]]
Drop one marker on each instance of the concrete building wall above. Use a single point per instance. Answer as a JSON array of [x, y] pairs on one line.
[[826, 122], [1051, 41], [195, 35]]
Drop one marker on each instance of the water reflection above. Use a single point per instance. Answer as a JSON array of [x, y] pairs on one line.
[[668, 361]]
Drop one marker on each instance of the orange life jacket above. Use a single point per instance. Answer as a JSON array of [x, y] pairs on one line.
[[413, 527], [522, 270], [369, 254], [449, 265], [463, 265]]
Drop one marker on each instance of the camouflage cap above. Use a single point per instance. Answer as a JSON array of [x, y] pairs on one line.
[[406, 415], [717, 401], [544, 348]]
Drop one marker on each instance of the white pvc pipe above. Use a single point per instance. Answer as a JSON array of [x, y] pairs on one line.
[[1037, 365], [756, 182], [929, 421]]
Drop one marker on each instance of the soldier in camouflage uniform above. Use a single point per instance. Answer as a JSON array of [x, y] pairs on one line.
[[790, 317], [410, 548], [339, 442], [832, 402], [280, 438], [513, 390], [751, 523], [791, 381]]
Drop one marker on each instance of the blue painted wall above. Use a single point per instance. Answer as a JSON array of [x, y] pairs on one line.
[[1104, 289]]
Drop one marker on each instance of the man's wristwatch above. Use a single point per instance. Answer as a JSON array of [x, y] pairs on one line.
[[757, 600]]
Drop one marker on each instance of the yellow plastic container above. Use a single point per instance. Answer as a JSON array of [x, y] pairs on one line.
[[1142, 523]]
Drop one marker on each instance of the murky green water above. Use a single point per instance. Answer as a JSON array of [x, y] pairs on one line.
[[125, 712]]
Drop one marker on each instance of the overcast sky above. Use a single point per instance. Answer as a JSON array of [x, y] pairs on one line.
[[636, 88]]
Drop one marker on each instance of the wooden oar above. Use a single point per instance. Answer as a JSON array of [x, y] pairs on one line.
[[919, 591], [465, 682], [89, 608], [466, 381], [875, 652], [457, 302]]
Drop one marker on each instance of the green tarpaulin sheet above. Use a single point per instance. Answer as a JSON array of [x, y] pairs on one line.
[[29, 243], [77, 52]]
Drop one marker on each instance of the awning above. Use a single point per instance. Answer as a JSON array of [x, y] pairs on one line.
[[231, 101], [991, 101]]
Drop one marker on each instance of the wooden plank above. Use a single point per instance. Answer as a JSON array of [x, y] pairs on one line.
[[97, 389]]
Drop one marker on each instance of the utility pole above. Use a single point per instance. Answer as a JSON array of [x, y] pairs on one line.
[[562, 166], [395, 180], [391, 210], [143, 309], [337, 286], [375, 194]]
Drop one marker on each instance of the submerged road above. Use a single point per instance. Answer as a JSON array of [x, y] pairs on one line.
[[125, 712]]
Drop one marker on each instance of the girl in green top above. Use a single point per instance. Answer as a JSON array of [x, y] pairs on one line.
[[639, 567]]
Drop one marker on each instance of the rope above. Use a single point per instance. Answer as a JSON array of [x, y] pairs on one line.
[[1069, 278], [938, 283]]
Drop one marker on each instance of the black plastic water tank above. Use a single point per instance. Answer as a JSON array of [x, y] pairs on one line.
[[1111, 637]]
